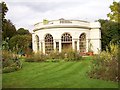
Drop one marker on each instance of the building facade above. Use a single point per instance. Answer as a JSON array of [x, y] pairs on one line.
[[57, 35]]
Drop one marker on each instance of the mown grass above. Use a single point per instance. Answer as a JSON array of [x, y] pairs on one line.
[[54, 75]]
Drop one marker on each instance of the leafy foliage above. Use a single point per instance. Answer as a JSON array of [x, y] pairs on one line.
[[10, 62], [105, 65], [5, 44], [55, 56], [21, 42], [4, 10], [16, 42], [71, 55], [7, 58], [36, 57], [9, 29], [110, 31], [22, 31], [115, 12]]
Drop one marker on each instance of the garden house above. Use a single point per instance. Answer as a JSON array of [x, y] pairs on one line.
[[57, 35]]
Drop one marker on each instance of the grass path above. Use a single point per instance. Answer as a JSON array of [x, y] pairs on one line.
[[54, 75]]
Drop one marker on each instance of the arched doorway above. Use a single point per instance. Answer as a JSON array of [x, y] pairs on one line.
[[82, 42], [48, 43], [66, 41], [37, 42]]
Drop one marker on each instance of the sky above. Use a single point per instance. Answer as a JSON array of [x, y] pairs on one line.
[[26, 13]]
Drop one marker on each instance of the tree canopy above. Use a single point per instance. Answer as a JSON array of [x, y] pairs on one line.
[[110, 32], [12, 39], [8, 29], [114, 15], [20, 42], [22, 31], [4, 10]]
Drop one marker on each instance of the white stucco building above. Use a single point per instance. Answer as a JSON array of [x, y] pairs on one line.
[[56, 35]]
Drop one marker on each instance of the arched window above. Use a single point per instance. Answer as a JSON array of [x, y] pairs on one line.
[[66, 38], [66, 41], [48, 43], [37, 42], [82, 42]]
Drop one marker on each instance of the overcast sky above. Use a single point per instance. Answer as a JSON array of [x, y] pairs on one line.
[[25, 13]]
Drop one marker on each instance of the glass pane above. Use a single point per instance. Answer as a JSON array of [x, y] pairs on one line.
[[82, 42], [48, 43]]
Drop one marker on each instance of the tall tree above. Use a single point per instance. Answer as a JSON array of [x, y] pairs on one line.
[[114, 15], [110, 32], [21, 42], [4, 10], [8, 29]]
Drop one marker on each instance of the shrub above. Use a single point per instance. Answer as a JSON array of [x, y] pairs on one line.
[[71, 55], [52, 60], [36, 57], [8, 69], [11, 68], [29, 59], [10, 62], [105, 65], [68, 55], [39, 57], [7, 58], [53, 55]]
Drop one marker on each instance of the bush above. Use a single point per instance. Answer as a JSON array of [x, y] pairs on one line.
[[105, 65], [7, 58], [29, 59], [68, 55], [10, 62], [71, 55], [53, 60], [10, 69], [36, 57], [53, 55]]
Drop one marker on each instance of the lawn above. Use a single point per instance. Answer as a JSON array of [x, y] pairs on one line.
[[54, 75]]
